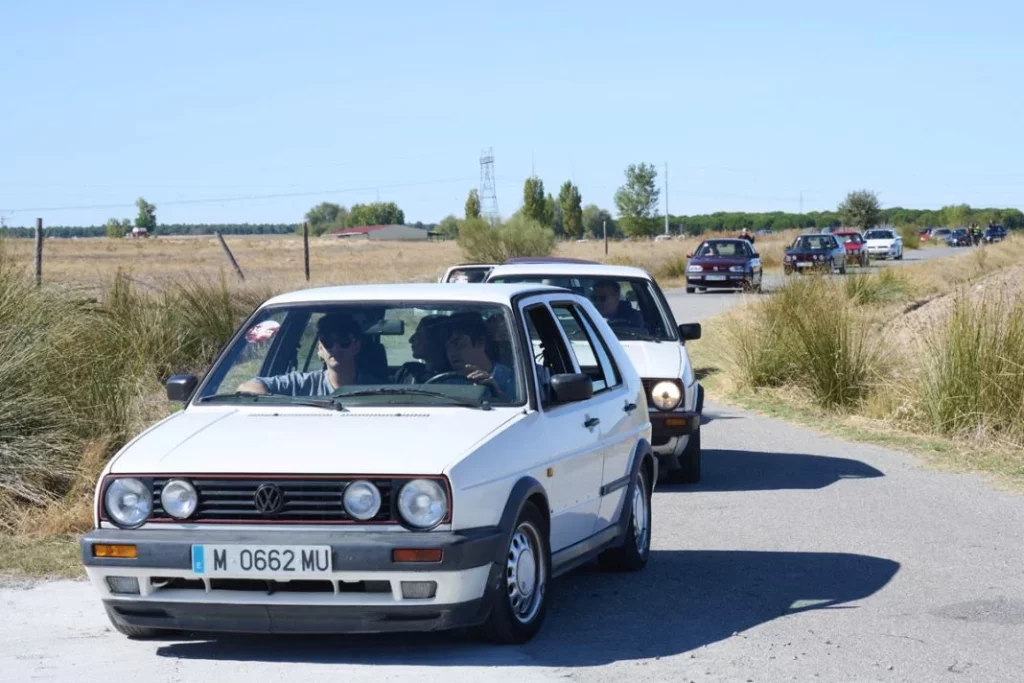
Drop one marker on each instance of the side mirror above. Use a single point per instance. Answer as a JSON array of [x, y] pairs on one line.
[[689, 331], [180, 387], [570, 388], [689, 254]]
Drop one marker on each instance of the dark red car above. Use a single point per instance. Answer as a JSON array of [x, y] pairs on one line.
[[724, 264], [856, 249]]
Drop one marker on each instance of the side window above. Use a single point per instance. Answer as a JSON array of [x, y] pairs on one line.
[[591, 355], [551, 357]]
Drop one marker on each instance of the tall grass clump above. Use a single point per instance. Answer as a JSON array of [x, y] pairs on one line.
[[808, 334], [482, 242], [82, 377], [887, 286], [973, 379]]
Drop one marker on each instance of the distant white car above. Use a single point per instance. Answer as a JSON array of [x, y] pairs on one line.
[[884, 243], [338, 471], [466, 272], [635, 308]]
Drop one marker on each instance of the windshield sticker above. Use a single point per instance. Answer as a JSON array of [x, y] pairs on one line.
[[262, 332]]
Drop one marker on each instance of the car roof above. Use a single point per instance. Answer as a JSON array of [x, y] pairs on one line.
[[577, 269], [546, 259], [726, 239], [469, 292]]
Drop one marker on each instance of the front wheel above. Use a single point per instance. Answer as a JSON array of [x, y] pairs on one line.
[[521, 602], [690, 290], [636, 546]]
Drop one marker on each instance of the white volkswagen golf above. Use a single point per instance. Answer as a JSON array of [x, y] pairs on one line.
[[636, 310], [381, 458]]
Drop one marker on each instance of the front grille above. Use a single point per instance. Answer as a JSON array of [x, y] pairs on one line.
[[304, 501]]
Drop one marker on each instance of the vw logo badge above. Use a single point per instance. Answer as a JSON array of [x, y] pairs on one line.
[[268, 499]]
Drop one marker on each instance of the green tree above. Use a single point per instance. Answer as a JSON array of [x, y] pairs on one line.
[[596, 220], [956, 216], [534, 203], [552, 217], [473, 204], [449, 226], [637, 201], [571, 204], [484, 242], [325, 217], [147, 215], [376, 213], [861, 210], [118, 228]]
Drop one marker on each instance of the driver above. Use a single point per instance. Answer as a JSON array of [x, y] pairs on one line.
[[465, 337], [427, 350], [616, 311], [339, 339]]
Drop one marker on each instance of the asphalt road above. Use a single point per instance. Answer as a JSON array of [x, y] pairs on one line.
[[799, 557]]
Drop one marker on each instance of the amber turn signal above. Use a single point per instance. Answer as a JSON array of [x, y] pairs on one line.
[[676, 422], [125, 552], [416, 555]]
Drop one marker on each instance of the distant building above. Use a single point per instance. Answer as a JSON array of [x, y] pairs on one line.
[[385, 233]]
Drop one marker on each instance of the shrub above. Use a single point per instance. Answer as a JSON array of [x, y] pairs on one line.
[[519, 236], [887, 286], [911, 240]]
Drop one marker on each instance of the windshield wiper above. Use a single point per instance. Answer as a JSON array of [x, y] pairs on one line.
[[326, 403], [640, 336], [482, 405]]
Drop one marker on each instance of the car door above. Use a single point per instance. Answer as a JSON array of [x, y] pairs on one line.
[[611, 404], [569, 433]]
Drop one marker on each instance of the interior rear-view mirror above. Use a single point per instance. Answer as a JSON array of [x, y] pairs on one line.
[[570, 388], [180, 387], [393, 326], [689, 331]]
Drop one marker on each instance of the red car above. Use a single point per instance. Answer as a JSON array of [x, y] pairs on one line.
[[856, 251]]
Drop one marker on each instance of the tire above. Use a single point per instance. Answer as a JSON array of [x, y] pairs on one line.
[[689, 462], [516, 618], [787, 270], [690, 290], [632, 554], [842, 269], [133, 632]]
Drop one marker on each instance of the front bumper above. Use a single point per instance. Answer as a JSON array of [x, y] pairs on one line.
[[364, 592], [882, 251], [719, 280]]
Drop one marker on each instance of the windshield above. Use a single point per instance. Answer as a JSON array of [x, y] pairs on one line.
[[878, 235], [815, 243], [437, 353], [631, 306], [724, 249]]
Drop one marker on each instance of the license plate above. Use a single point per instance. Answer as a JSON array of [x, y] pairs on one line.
[[262, 560], [714, 278], [804, 264]]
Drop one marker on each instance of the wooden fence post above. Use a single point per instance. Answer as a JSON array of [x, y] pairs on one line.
[[230, 256], [305, 247], [39, 252]]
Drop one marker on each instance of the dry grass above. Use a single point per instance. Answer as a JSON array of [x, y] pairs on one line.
[[275, 263]]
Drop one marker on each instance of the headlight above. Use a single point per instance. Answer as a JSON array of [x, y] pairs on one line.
[[361, 500], [787, 258], [737, 269], [666, 395], [694, 269], [423, 503], [128, 502], [179, 498]]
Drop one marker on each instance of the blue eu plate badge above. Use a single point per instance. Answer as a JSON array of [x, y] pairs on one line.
[[198, 566]]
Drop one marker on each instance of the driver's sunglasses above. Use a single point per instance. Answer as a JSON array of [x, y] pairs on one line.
[[330, 340]]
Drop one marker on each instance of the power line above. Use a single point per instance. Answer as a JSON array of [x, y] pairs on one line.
[[247, 198]]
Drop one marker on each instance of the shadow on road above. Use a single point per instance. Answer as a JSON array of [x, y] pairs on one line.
[[725, 470], [681, 601]]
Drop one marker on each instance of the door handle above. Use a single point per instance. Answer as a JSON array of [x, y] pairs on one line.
[[592, 422], [629, 407]]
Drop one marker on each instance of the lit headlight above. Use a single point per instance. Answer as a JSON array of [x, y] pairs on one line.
[[736, 269], [362, 500], [694, 269], [666, 395], [179, 498], [423, 503], [128, 502]]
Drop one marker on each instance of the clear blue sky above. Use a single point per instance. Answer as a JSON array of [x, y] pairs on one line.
[[750, 103]]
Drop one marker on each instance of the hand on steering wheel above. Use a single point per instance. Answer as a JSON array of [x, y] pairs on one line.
[[444, 375]]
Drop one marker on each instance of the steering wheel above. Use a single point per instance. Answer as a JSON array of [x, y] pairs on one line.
[[444, 375]]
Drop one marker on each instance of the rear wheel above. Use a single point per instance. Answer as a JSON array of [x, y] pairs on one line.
[[521, 604], [842, 268], [690, 290], [636, 546]]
